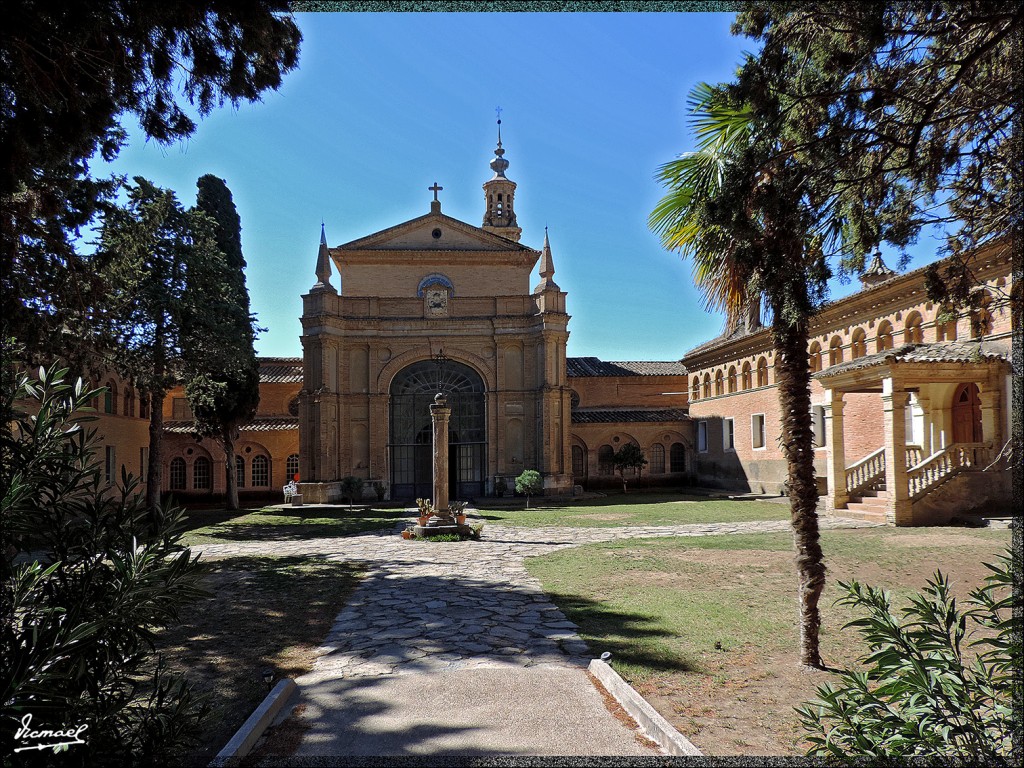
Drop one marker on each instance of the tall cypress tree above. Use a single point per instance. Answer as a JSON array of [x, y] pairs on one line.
[[221, 370]]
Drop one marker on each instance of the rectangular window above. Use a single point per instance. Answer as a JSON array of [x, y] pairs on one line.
[[143, 462], [757, 438], [818, 421], [109, 466], [702, 436], [728, 435], [180, 410]]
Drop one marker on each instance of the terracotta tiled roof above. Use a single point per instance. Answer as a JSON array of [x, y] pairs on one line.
[[592, 366], [280, 370], [259, 424], [611, 416], [721, 339], [938, 352]]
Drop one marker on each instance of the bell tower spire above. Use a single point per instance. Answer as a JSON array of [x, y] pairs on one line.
[[323, 265], [499, 196]]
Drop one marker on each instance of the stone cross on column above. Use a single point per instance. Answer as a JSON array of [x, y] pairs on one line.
[[439, 415]]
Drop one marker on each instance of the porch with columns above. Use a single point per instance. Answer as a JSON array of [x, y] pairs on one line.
[[945, 422]]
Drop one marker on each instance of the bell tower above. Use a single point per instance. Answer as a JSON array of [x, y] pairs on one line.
[[499, 196]]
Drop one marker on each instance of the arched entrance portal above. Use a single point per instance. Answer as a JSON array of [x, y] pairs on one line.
[[412, 393], [967, 414]]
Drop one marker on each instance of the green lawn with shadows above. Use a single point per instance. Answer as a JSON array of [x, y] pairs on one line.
[[295, 524], [635, 509], [713, 632]]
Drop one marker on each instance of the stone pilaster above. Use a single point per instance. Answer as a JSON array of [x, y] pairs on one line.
[[836, 452]]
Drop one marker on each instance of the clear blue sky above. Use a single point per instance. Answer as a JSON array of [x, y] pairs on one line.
[[383, 105]]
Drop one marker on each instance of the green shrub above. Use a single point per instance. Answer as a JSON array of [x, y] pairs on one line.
[[923, 693], [90, 575], [529, 483]]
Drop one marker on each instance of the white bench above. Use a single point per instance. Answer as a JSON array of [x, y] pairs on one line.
[[290, 490]]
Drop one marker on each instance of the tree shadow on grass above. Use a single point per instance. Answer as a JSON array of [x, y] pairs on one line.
[[309, 523], [257, 610]]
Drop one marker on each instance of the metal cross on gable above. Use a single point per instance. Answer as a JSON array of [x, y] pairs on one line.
[[435, 189]]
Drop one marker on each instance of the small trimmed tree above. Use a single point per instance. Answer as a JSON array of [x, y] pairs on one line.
[[351, 487], [629, 456], [529, 483]]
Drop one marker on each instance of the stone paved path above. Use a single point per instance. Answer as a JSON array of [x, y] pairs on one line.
[[429, 607]]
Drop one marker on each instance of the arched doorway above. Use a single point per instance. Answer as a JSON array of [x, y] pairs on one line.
[[967, 414], [410, 447]]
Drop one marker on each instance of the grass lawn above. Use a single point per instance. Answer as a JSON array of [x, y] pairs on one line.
[[706, 628], [287, 523], [635, 509], [263, 612]]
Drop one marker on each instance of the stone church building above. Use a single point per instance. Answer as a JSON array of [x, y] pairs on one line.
[[435, 303]]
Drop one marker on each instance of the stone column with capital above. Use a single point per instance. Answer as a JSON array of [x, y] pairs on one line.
[[894, 406], [439, 415], [836, 452]]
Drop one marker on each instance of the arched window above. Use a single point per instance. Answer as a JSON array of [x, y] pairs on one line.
[[677, 458], [695, 395], [814, 357], [202, 477], [719, 383], [746, 381], [579, 464], [110, 398], [291, 466], [732, 379], [912, 329], [657, 459], [858, 344], [835, 351], [945, 331], [260, 472], [125, 400], [177, 474], [412, 393], [707, 385], [239, 472], [144, 407], [762, 372], [883, 337], [604, 460]]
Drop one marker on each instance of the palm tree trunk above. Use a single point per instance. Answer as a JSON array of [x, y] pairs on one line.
[[792, 376]]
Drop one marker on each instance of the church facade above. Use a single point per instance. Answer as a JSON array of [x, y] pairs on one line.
[[428, 305]]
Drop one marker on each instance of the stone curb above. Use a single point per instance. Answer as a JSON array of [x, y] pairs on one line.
[[656, 726], [245, 737]]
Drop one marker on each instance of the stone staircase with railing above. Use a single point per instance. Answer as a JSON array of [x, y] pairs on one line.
[[868, 496]]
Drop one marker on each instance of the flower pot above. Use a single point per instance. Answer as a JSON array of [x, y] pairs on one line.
[[460, 519], [406, 534], [423, 520]]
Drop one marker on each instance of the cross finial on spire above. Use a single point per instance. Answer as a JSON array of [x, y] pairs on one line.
[[497, 111], [435, 189], [323, 233]]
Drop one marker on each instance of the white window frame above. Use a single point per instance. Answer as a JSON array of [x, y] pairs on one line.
[[702, 436], [756, 434], [729, 434]]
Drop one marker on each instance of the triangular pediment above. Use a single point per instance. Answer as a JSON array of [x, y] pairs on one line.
[[432, 232]]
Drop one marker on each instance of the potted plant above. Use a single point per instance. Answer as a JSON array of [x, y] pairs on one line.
[[500, 487], [380, 488], [458, 508], [426, 510]]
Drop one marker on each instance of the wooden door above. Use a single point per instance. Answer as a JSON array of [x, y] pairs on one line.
[[967, 414]]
